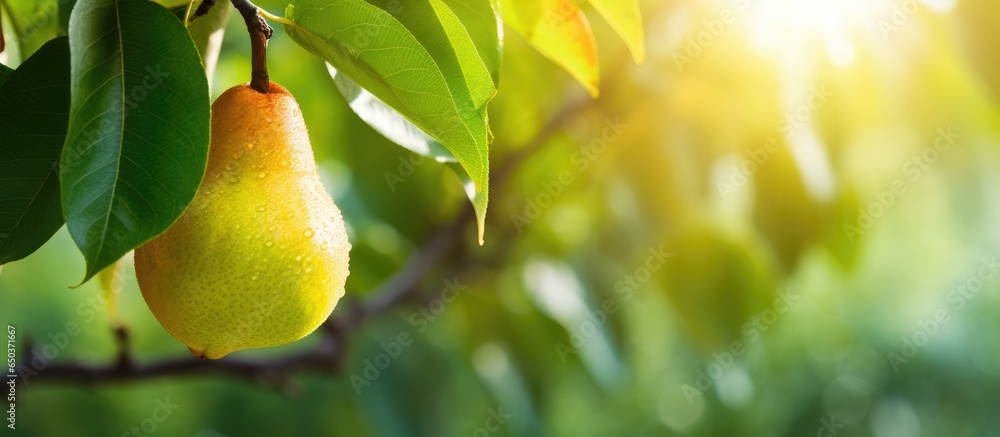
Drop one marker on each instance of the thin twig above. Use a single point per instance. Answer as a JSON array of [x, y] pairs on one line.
[[323, 358]]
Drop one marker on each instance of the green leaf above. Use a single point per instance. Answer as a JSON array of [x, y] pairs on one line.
[[398, 129], [559, 30], [34, 111], [138, 136], [427, 70], [482, 21], [445, 37], [626, 18]]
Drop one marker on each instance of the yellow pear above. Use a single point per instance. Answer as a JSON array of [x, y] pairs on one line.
[[260, 256]]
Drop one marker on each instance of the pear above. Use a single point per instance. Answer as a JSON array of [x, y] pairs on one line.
[[260, 256]]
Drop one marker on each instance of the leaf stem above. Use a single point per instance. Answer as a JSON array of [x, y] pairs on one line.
[[187, 14], [260, 32], [278, 19]]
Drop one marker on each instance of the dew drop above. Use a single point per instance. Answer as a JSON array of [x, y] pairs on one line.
[[234, 180], [290, 215], [261, 175], [272, 228], [309, 233], [230, 167], [254, 277], [298, 258], [284, 163], [249, 145], [269, 244], [261, 208], [325, 245], [268, 119]]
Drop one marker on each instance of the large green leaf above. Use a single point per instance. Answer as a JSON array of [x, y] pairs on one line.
[[559, 30], [398, 129], [427, 70], [482, 21], [138, 137], [446, 38], [34, 111], [625, 17]]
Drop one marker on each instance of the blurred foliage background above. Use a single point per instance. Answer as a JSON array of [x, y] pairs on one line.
[[756, 146]]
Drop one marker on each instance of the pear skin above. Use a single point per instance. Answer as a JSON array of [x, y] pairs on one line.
[[260, 256]]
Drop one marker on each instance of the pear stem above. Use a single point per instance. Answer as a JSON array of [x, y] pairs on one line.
[[260, 32]]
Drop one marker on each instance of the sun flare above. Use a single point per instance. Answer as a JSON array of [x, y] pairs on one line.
[[835, 27], [780, 26]]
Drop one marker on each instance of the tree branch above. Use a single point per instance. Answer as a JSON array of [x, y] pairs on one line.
[[326, 357]]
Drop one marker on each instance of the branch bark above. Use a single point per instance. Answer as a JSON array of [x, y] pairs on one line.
[[325, 357]]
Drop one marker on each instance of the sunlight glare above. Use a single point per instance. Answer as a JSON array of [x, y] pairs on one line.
[[784, 27]]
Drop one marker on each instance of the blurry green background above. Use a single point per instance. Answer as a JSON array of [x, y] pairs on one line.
[[653, 165]]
